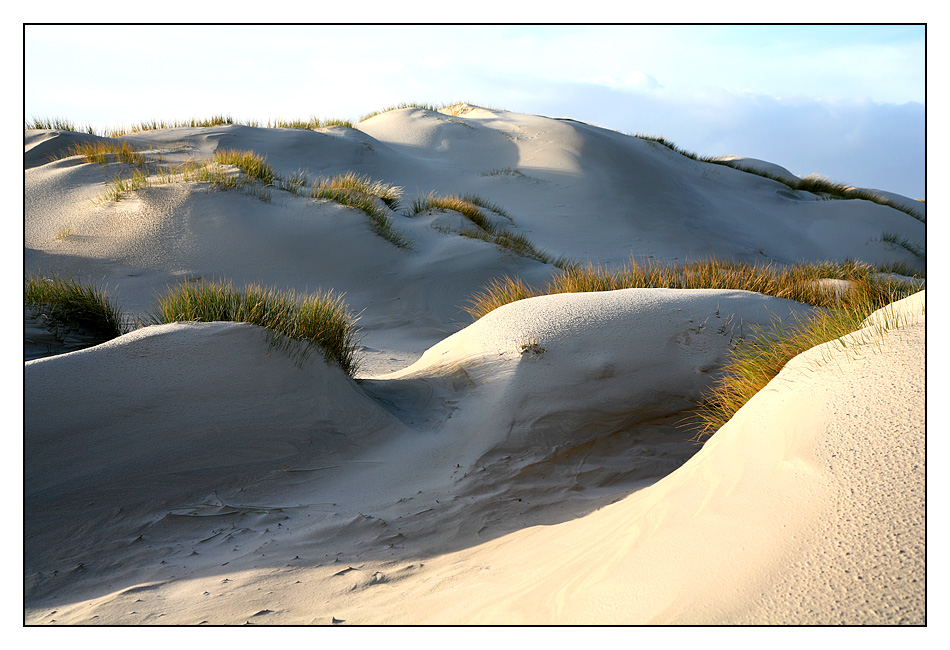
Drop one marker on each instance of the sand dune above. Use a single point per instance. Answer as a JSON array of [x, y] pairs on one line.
[[530, 467]]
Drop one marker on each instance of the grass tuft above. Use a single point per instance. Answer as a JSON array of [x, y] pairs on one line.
[[813, 183], [364, 194], [504, 171], [107, 151], [757, 359], [68, 304], [915, 249], [321, 321], [251, 164], [118, 187], [311, 124], [799, 282], [472, 207]]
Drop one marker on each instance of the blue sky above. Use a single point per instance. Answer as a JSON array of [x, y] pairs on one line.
[[843, 101]]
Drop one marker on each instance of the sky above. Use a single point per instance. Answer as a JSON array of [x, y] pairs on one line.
[[846, 102]]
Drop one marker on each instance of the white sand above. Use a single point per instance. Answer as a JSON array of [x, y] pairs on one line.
[[527, 468]]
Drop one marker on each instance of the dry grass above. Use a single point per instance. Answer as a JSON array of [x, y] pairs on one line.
[[104, 152], [473, 209], [814, 183], [375, 199], [252, 165], [797, 282], [67, 304], [757, 359], [321, 321]]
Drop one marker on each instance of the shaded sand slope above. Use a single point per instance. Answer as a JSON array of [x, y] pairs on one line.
[[477, 438], [807, 507], [120, 434], [572, 189]]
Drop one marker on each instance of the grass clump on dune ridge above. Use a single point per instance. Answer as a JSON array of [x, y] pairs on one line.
[[320, 320], [68, 304], [374, 198], [471, 208], [56, 124], [157, 125], [365, 195], [391, 195], [104, 152], [454, 109], [312, 123], [59, 124], [813, 183], [799, 282], [251, 164], [757, 359]]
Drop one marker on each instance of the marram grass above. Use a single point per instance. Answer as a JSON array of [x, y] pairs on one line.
[[252, 165], [104, 152], [472, 208], [914, 249], [57, 124], [757, 359], [68, 304], [320, 321], [375, 199], [799, 282], [120, 186], [311, 124], [813, 183]]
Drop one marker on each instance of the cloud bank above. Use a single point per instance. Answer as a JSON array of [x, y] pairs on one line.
[[860, 142]]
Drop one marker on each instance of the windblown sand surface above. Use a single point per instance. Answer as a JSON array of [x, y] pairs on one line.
[[530, 467]]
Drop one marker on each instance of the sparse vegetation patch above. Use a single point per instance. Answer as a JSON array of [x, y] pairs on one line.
[[758, 358], [472, 208], [797, 282], [67, 304], [892, 238], [320, 321], [312, 123], [251, 164], [504, 171], [256, 177], [373, 198], [812, 183]]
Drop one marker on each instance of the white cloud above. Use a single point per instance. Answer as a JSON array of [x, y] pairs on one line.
[[634, 80]]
